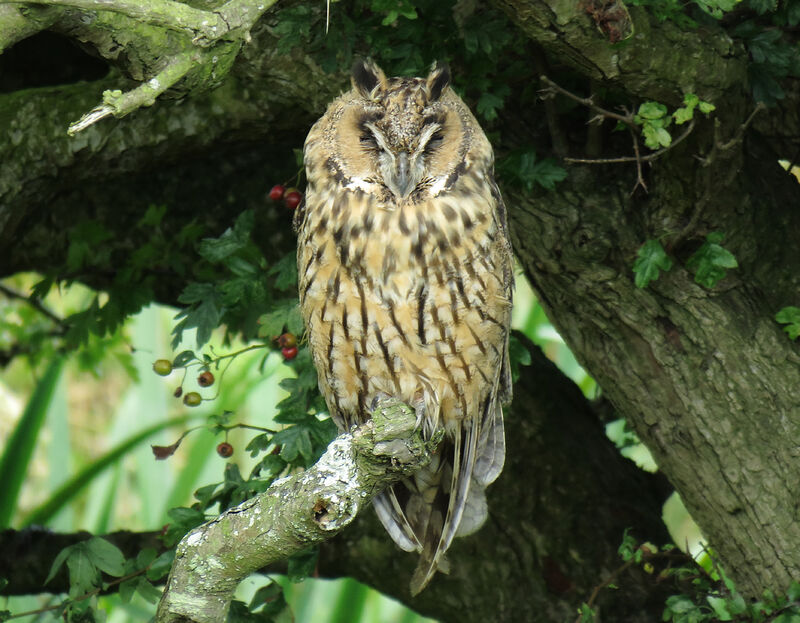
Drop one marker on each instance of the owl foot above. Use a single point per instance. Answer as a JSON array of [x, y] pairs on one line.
[[376, 400]]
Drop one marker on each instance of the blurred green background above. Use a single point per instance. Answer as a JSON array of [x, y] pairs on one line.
[[89, 465]]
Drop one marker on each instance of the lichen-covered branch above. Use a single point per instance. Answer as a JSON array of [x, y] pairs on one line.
[[119, 104], [204, 26], [175, 62], [659, 61], [294, 513]]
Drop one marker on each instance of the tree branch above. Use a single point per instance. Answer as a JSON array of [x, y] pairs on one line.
[[206, 27], [298, 511]]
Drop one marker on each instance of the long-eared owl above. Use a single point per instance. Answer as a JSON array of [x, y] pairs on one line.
[[405, 279]]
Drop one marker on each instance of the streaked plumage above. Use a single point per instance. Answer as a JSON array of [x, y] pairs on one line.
[[405, 277]]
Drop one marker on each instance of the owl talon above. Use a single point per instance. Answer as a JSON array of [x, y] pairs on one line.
[[419, 409], [378, 398]]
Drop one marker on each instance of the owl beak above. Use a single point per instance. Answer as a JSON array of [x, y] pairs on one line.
[[402, 174]]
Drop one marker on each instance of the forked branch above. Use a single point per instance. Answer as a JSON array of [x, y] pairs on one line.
[[627, 118], [294, 513]]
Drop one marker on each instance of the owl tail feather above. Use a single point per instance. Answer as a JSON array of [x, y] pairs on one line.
[[446, 498]]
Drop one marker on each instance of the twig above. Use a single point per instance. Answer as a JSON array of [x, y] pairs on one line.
[[647, 556], [91, 593], [639, 178], [627, 119], [737, 138], [35, 303], [647, 158], [120, 104]]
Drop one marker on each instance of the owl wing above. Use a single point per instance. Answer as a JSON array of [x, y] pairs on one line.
[[491, 448], [478, 445]]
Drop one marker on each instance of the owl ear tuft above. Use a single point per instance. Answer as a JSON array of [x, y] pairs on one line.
[[438, 80], [366, 76]]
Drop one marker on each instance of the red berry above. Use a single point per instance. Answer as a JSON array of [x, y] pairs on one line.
[[225, 450], [276, 192], [192, 399], [287, 340], [206, 379], [289, 352], [292, 199], [162, 367]]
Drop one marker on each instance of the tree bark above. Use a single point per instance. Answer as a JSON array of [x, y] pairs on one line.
[[707, 377]]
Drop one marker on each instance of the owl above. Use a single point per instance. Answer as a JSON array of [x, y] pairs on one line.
[[405, 284]]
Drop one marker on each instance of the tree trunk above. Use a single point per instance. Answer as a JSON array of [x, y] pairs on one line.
[[706, 376]]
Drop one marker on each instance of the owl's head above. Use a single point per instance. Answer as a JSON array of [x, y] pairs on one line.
[[400, 138]]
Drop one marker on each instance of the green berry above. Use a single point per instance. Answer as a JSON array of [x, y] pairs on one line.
[[192, 399], [162, 367]]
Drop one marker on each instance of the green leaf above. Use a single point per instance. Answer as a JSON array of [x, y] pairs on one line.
[[587, 614], [204, 315], [793, 594], [736, 604], [294, 320], [106, 556], [161, 565], [518, 355], [706, 107], [650, 261], [149, 593], [83, 575], [652, 110], [127, 589], [19, 445], [682, 115], [302, 565], [711, 261], [152, 217], [285, 272], [488, 104], [790, 316], [719, 605], [522, 167], [217, 249], [294, 440], [283, 312], [656, 137], [182, 358], [628, 546], [62, 556]]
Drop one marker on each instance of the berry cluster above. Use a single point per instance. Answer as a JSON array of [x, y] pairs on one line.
[[163, 367], [287, 342], [291, 196]]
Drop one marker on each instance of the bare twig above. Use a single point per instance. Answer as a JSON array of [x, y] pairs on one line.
[[639, 178], [647, 158], [739, 135], [627, 119]]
